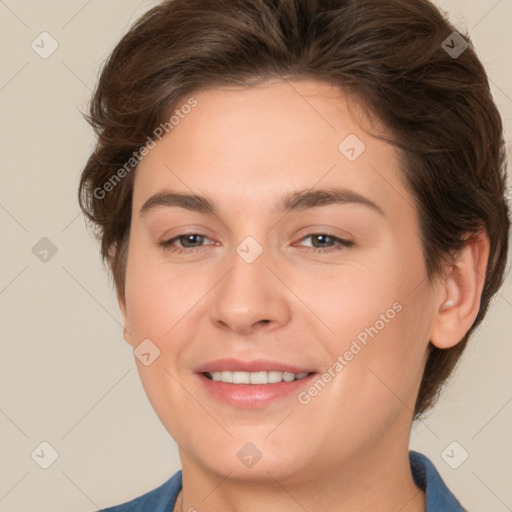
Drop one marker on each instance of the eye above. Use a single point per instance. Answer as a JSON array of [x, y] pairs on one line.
[[190, 242], [326, 243]]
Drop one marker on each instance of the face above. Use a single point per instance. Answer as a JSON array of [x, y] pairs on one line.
[[298, 256]]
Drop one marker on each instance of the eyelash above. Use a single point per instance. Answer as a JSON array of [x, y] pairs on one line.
[[342, 244]]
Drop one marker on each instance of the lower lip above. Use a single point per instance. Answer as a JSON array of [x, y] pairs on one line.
[[253, 395]]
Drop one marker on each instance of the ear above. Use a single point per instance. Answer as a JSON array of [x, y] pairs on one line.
[[122, 306], [458, 302], [121, 300]]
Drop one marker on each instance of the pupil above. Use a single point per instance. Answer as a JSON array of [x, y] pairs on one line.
[[321, 238], [190, 238]]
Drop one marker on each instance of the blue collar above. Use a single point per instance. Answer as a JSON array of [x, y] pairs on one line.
[[426, 477]]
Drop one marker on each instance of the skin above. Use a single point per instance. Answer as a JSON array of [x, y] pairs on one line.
[[347, 449]]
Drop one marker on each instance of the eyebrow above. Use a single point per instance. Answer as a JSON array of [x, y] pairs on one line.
[[295, 201]]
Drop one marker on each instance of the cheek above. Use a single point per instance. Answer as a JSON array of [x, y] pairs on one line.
[[379, 312], [159, 295], [353, 296]]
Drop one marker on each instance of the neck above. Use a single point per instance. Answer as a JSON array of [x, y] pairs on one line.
[[376, 480]]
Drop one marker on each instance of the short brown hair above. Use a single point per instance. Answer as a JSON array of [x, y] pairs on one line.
[[437, 106]]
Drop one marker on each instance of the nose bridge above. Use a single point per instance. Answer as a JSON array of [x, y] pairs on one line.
[[249, 294]]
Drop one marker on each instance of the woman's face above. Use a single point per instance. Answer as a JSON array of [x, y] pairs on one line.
[[267, 273]]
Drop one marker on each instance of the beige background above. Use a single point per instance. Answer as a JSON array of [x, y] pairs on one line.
[[66, 375]]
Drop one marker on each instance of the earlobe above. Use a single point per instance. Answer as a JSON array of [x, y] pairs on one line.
[[126, 336], [122, 306], [460, 293]]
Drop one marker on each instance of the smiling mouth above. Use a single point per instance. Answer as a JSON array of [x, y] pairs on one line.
[[271, 377]]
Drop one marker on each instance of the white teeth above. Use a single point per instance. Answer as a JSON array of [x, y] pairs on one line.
[[288, 377], [241, 378], [274, 377], [258, 377], [271, 377], [225, 376]]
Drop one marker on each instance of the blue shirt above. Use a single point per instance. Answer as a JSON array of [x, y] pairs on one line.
[[439, 497]]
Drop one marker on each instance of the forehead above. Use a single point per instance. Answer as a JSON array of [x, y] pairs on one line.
[[247, 147]]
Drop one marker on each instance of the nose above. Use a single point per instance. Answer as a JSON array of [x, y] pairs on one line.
[[250, 297]]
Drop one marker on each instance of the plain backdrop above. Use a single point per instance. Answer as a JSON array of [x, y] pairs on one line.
[[67, 378]]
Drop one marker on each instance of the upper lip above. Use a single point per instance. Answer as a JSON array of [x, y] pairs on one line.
[[255, 365]]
